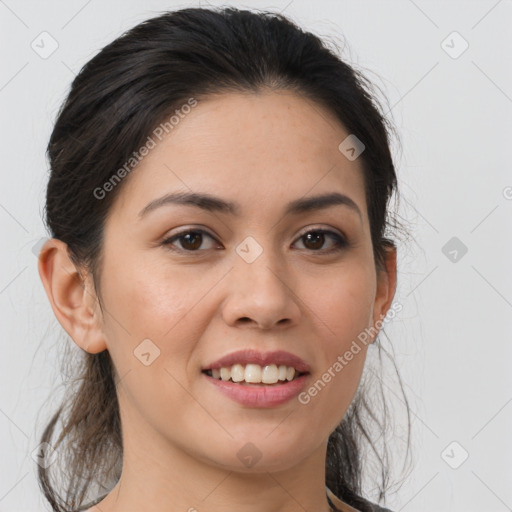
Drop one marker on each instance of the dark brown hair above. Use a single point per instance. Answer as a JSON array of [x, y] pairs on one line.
[[114, 104]]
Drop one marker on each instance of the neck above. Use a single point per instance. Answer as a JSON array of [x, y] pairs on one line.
[[160, 476]]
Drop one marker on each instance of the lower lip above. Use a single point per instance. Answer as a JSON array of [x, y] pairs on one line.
[[260, 395]]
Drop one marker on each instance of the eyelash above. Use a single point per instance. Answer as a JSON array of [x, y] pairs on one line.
[[340, 240]]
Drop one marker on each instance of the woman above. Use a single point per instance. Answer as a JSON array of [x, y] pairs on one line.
[[217, 204]]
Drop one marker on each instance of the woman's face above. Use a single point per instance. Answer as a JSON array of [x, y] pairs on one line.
[[247, 278]]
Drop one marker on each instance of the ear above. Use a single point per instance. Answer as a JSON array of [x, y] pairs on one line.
[[386, 287], [71, 296]]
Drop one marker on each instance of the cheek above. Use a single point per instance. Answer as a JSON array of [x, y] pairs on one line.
[[147, 299], [143, 305], [343, 304], [343, 309], [153, 315]]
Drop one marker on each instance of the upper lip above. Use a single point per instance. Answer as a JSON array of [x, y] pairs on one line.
[[249, 356]]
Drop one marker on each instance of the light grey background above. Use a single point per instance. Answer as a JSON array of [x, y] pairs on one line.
[[453, 113]]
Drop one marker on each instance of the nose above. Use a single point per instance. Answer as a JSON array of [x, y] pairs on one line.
[[261, 295]]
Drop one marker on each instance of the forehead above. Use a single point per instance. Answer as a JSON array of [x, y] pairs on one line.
[[249, 148]]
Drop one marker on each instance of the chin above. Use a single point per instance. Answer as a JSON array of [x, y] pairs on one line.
[[261, 455]]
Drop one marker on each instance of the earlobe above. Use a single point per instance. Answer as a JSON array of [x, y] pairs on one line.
[[71, 296], [386, 287]]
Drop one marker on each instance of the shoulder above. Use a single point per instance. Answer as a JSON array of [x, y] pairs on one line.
[[372, 507], [377, 508], [344, 507]]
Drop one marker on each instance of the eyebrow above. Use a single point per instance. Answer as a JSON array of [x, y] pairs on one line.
[[211, 203]]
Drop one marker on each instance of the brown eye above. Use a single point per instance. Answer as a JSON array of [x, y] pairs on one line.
[[190, 240], [315, 239]]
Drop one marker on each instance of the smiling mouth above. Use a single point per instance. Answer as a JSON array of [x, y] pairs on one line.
[[253, 374]]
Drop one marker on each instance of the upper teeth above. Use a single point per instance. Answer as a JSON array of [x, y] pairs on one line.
[[254, 373]]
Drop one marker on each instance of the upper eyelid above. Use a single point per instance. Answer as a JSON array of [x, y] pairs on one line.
[[303, 232], [322, 228]]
